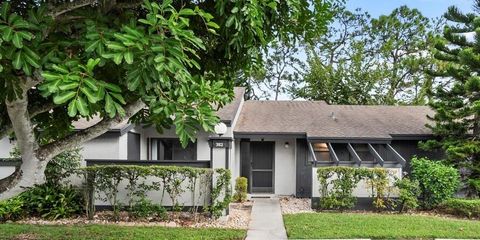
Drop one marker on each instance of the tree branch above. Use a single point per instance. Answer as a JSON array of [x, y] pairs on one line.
[[70, 6], [108, 5], [50, 150], [129, 4]]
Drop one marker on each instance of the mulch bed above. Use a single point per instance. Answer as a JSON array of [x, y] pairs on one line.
[[238, 218]]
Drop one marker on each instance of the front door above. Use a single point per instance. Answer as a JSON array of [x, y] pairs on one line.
[[262, 165]]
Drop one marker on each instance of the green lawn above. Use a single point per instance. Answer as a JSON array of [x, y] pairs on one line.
[[91, 232], [357, 225]]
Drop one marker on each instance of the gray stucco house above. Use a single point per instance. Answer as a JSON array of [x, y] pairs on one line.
[[275, 144]]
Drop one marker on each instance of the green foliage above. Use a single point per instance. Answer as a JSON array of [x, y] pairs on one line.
[[52, 201], [11, 209], [365, 60], [337, 185], [241, 185], [172, 180], [461, 207], [378, 180], [409, 191], [456, 99], [145, 208], [438, 182], [221, 192], [64, 165]]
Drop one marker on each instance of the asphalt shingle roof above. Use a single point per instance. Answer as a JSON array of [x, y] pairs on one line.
[[228, 112], [317, 119]]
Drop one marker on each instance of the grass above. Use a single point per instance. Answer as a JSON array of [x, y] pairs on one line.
[[92, 232], [377, 226]]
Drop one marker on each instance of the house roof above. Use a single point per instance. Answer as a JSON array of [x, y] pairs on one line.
[[319, 120], [227, 113]]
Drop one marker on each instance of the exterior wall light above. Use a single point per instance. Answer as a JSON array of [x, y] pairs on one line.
[[287, 145], [220, 129]]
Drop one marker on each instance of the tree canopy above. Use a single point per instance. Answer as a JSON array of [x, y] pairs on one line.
[[365, 60], [156, 62], [456, 100]]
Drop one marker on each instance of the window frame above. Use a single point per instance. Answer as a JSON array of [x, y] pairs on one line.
[[149, 149]]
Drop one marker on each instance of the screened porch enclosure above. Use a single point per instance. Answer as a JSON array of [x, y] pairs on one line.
[[325, 153]]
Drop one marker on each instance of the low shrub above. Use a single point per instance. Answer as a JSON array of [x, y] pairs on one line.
[[409, 190], [337, 185], [377, 179], [340, 195], [241, 184], [62, 166], [11, 209], [438, 182], [145, 208], [461, 207], [52, 201]]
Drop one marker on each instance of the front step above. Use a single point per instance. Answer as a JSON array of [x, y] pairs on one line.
[[260, 195]]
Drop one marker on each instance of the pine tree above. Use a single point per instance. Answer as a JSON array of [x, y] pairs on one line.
[[456, 100]]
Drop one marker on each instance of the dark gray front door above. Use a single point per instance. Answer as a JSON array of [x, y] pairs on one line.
[[262, 165]]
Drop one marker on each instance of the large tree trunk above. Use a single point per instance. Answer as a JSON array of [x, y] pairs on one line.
[[31, 170]]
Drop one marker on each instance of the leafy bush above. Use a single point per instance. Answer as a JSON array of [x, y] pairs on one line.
[[377, 180], [220, 193], [337, 185], [11, 209], [52, 201], [461, 207], [438, 182], [241, 184], [63, 166], [340, 196], [172, 180], [409, 190], [145, 208], [474, 185]]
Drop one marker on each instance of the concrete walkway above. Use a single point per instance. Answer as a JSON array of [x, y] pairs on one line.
[[266, 220]]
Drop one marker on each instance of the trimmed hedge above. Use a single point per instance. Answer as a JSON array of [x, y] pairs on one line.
[[172, 181], [461, 207]]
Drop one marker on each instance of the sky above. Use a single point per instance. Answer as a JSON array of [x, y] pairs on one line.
[[429, 8]]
